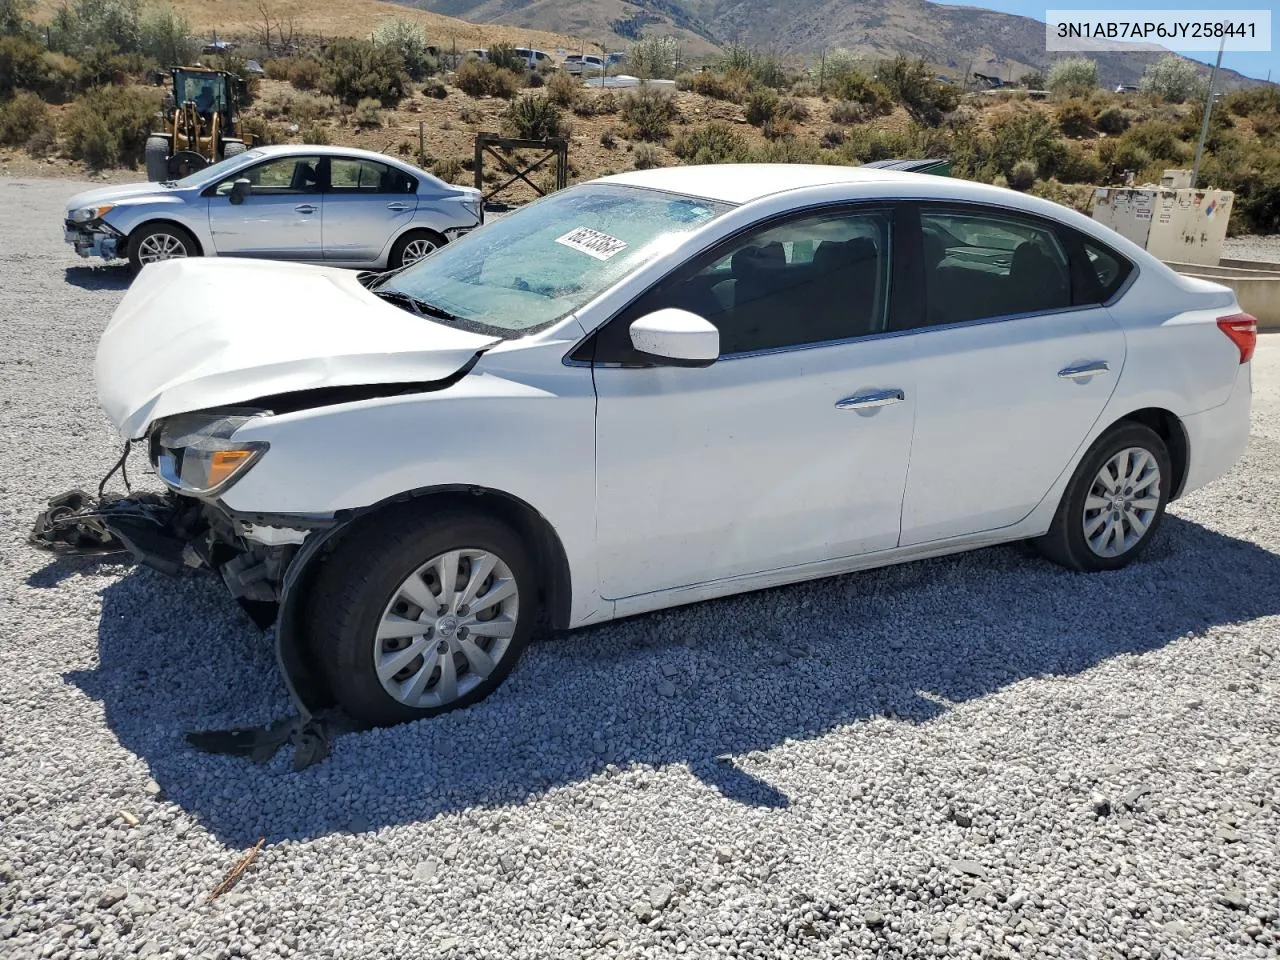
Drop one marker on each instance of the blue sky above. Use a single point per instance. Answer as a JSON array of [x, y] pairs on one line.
[[1250, 64]]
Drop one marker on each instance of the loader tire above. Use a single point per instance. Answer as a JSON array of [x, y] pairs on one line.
[[157, 158]]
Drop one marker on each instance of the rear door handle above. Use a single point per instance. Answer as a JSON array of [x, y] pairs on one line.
[[398, 207], [305, 208], [874, 398], [1084, 371]]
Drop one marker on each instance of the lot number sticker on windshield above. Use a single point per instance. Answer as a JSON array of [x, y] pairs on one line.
[[592, 242]]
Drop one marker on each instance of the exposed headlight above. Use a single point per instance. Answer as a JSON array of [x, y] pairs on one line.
[[85, 214], [195, 452]]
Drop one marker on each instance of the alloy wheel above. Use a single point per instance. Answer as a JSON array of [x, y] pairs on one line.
[[160, 246], [415, 250], [446, 628], [1122, 502]]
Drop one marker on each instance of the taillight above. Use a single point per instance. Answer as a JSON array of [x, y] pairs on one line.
[[1243, 331]]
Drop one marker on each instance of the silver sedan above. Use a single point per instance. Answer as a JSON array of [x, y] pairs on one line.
[[330, 205]]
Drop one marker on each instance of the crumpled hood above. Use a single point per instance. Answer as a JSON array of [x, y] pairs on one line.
[[126, 191], [200, 333]]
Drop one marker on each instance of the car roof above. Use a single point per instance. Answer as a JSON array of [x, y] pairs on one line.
[[331, 150], [744, 182]]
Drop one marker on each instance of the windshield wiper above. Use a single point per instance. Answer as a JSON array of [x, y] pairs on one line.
[[417, 305], [169, 183]]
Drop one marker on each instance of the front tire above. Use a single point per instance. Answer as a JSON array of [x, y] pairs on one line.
[[424, 610], [1114, 503], [233, 148], [160, 241], [412, 247]]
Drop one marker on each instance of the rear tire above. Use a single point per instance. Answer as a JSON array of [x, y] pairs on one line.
[[157, 155], [412, 247], [371, 610], [1114, 503], [160, 241]]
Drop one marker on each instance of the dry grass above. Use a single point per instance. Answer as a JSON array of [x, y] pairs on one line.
[[340, 18]]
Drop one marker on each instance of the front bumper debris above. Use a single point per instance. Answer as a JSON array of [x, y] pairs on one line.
[[172, 533], [94, 239]]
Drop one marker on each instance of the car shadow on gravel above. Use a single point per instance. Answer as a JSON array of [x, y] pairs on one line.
[[748, 673], [114, 276]]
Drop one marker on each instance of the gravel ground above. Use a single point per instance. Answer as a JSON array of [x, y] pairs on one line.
[[982, 756], [1253, 248]]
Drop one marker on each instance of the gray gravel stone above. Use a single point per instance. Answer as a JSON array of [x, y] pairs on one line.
[[561, 809]]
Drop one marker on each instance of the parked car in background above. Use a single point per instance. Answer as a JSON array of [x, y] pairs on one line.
[[662, 387], [316, 204], [587, 64]]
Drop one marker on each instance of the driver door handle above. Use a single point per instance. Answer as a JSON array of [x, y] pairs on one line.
[[1083, 371], [305, 208], [871, 399], [398, 207]]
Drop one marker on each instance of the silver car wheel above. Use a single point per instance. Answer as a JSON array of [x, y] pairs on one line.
[[1122, 502], [447, 628], [160, 246], [415, 250]]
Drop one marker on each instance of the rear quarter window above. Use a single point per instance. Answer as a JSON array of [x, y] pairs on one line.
[[1109, 268]]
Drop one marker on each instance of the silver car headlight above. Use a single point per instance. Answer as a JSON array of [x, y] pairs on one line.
[[197, 454], [85, 214]]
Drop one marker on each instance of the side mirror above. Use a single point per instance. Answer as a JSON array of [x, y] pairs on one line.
[[240, 190], [676, 338]]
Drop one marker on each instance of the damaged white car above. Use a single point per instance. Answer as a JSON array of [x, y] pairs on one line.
[[653, 389]]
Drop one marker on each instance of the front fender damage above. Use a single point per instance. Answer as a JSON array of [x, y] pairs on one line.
[[174, 534]]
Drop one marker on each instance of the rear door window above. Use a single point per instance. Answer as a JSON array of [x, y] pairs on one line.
[[983, 264]]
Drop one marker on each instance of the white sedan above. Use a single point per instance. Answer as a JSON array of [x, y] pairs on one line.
[[658, 388]]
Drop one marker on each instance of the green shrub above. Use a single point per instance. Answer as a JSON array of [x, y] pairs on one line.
[[1112, 121], [717, 86], [165, 37], [564, 89], [504, 57], [1156, 139], [408, 41], [804, 88], [1075, 118], [654, 58], [1121, 155], [298, 106], [913, 85], [1073, 77], [21, 117], [831, 138], [716, 142], [368, 113], [435, 90], [317, 133], [478, 78], [13, 16], [277, 68], [646, 156], [448, 169], [108, 126], [1022, 176], [762, 69], [608, 139], [114, 25], [357, 69], [533, 118], [21, 65], [1253, 101], [794, 110], [1078, 165], [1252, 171], [762, 106], [261, 131], [305, 73], [1030, 137], [872, 97], [787, 150], [648, 113], [848, 111], [1174, 79]]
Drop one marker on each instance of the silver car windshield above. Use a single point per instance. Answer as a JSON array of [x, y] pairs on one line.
[[212, 172], [523, 273]]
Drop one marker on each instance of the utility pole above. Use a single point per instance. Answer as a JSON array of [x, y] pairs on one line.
[[1208, 109]]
